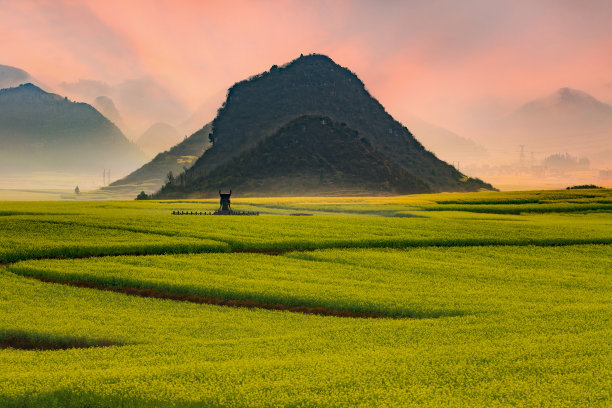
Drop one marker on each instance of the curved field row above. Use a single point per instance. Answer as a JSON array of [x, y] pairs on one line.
[[51, 236], [534, 318], [182, 297], [394, 283], [31, 239], [265, 280], [588, 200]]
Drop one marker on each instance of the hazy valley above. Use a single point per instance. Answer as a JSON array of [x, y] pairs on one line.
[[561, 139]]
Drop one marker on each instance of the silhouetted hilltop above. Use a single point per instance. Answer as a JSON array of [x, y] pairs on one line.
[[314, 85], [152, 175], [12, 77], [44, 131], [310, 155]]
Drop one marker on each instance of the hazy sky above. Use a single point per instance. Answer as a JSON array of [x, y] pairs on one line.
[[446, 61]]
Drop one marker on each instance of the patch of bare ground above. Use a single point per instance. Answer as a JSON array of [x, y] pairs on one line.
[[251, 304], [23, 341]]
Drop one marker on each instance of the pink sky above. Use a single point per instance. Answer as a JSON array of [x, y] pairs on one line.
[[446, 61]]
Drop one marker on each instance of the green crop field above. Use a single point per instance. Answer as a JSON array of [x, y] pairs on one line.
[[442, 300]]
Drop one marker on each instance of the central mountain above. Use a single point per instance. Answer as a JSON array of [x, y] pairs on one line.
[[255, 115], [313, 155]]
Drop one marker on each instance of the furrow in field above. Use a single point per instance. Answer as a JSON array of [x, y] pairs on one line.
[[249, 280], [250, 304]]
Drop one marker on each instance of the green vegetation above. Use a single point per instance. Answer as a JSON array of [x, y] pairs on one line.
[[60, 229], [583, 186], [26, 237], [310, 155], [29, 340], [580, 201], [484, 309]]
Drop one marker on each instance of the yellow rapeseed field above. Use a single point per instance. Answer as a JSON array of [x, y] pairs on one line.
[[442, 300]]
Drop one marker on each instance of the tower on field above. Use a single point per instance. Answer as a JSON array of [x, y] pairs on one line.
[[225, 203]]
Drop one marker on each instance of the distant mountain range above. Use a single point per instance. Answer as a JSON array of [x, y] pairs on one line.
[[153, 175], [141, 101], [568, 120], [45, 131], [262, 110]]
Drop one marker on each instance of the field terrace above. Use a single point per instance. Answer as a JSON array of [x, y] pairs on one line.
[[470, 299]]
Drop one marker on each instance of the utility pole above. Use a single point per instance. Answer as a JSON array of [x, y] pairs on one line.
[[103, 177]]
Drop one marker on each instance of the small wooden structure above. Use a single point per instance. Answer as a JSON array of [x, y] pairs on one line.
[[225, 207]]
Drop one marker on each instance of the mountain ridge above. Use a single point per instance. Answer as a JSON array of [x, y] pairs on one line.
[[43, 130]]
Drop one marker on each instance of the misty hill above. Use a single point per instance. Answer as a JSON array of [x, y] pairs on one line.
[[152, 175], [142, 101], [445, 144], [106, 107], [44, 131], [158, 138], [314, 85], [310, 155], [568, 120], [565, 101]]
